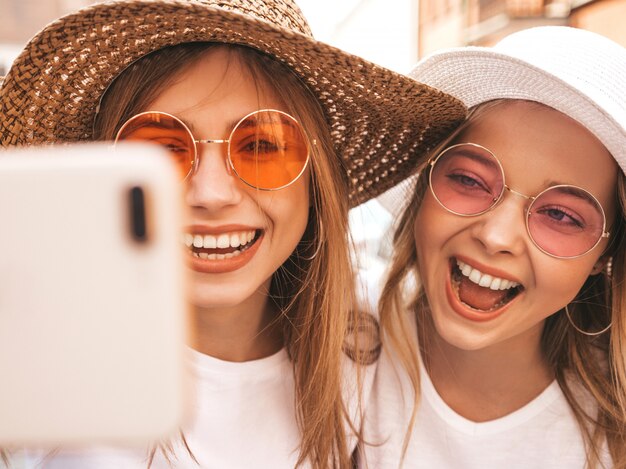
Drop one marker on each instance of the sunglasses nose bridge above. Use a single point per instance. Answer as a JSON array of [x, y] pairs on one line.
[[520, 194], [530, 199], [529, 202], [212, 141], [209, 141]]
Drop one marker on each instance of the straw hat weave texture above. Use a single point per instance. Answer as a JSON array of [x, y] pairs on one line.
[[380, 121]]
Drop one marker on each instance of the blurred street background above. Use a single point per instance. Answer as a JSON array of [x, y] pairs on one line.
[[393, 33]]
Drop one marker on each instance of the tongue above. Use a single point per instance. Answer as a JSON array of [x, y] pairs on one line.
[[483, 298]]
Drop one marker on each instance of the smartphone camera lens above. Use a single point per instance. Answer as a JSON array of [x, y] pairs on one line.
[[137, 210]]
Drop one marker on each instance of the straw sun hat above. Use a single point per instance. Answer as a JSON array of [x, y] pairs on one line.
[[380, 121], [574, 71]]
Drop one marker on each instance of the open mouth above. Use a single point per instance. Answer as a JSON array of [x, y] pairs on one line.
[[479, 291], [222, 246]]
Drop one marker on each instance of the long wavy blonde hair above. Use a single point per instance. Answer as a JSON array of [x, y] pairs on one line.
[[573, 357], [314, 288]]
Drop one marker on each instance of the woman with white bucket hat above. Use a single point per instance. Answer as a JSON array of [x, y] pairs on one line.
[[504, 311]]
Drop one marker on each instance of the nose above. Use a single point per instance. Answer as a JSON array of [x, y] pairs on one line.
[[212, 185], [502, 230]]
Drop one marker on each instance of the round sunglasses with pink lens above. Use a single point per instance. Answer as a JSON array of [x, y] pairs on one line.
[[563, 221]]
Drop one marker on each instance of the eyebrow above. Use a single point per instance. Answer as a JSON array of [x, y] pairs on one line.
[[576, 191], [476, 156], [283, 120], [249, 123], [566, 188]]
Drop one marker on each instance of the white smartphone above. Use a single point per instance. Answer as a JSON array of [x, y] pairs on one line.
[[92, 308]]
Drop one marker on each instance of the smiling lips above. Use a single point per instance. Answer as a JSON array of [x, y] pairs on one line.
[[221, 252], [480, 296]]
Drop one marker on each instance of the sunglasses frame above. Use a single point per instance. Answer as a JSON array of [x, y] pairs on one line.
[[496, 201], [196, 162]]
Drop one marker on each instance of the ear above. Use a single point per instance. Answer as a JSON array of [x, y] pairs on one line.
[[601, 264]]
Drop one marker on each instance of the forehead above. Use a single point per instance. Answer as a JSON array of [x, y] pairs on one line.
[[539, 146], [223, 75]]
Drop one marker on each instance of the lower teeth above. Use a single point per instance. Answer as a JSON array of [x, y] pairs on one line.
[[214, 256]]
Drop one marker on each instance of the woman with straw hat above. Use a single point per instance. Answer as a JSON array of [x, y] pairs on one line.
[[513, 339], [276, 136]]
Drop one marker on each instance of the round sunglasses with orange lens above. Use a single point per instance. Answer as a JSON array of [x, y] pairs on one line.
[[267, 149]]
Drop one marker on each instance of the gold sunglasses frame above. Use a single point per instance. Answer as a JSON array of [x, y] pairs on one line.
[[196, 158], [431, 164]]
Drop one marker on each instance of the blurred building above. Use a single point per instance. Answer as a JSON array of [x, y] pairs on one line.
[[449, 23], [21, 19], [381, 31]]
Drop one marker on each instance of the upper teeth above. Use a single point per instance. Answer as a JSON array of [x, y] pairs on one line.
[[485, 280], [225, 240]]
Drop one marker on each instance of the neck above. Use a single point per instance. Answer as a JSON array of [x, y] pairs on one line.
[[244, 332], [489, 383]]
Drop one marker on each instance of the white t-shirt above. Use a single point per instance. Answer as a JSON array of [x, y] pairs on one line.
[[244, 418], [543, 434]]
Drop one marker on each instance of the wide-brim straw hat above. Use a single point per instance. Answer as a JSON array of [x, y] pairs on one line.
[[576, 72], [381, 122]]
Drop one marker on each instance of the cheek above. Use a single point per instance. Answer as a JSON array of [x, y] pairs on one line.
[[561, 280], [432, 226], [424, 222], [287, 210], [427, 230]]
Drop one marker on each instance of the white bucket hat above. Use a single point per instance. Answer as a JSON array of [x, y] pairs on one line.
[[574, 71]]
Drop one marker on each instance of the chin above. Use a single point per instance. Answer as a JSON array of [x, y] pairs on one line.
[[204, 301], [216, 296], [462, 337]]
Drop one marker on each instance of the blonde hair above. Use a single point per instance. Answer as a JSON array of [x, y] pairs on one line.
[[576, 360], [314, 288]]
